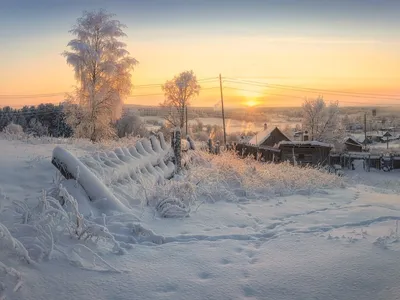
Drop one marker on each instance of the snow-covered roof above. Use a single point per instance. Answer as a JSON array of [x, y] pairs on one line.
[[263, 135], [356, 142], [359, 137], [273, 149], [305, 143]]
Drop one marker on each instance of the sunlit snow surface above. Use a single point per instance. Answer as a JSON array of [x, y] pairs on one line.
[[309, 238]]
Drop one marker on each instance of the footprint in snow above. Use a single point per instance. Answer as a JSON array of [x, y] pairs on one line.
[[205, 275], [168, 288], [253, 261], [225, 261], [249, 291], [239, 249], [250, 253]]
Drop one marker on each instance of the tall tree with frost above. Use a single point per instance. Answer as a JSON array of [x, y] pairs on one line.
[[322, 121], [178, 92], [102, 68]]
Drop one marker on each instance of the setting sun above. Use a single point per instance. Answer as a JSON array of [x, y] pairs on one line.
[[251, 103]]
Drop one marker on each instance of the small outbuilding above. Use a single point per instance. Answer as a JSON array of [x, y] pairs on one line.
[[305, 152], [352, 145]]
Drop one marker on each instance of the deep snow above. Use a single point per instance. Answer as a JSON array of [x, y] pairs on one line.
[[338, 243]]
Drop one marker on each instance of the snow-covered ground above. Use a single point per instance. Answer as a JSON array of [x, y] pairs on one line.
[[254, 232]]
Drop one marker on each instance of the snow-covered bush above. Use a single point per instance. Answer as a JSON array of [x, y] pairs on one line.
[[36, 128], [13, 129], [131, 125]]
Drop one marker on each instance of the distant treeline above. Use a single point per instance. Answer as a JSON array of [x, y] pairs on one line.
[[41, 120]]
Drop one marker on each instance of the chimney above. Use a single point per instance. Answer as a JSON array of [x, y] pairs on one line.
[[305, 136], [265, 126]]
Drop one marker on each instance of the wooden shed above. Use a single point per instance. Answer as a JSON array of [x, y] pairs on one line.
[[305, 152], [352, 145]]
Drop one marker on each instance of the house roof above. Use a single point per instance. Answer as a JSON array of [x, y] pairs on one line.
[[268, 148], [387, 133], [359, 137], [263, 135], [353, 141], [305, 143]]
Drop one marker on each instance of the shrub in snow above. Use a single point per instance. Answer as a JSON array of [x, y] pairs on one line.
[[36, 128], [13, 129], [220, 176], [172, 208], [131, 125]]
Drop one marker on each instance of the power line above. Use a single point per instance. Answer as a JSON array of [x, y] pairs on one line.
[[264, 94], [31, 96], [205, 80], [302, 97], [310, 77], [45, 95], [291, 86], [162, 94], [328, 92]]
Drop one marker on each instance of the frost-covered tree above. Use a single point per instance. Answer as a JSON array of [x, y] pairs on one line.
[[178, 92], [36, 128], [322, 121], [102, 67], [131, 125]]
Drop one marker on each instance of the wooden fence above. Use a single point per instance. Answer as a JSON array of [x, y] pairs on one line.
[[149, 159], [344, 159], [377, 161]]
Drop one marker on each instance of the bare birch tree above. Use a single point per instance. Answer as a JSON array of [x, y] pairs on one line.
[[102, 68], [178, 92]]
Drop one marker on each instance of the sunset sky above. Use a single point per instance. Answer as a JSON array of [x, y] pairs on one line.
[[301, 48]]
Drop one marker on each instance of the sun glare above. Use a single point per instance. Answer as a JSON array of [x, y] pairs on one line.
[[251, 103]]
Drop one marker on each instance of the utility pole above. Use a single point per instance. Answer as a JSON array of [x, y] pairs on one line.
[[365, 131], [187, 132], [222, 106]]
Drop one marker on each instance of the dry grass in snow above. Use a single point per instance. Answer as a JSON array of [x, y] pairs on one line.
[[228, 177]]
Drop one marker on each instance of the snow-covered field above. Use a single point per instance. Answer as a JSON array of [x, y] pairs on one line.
[[233, 126], [394, 146], [254, 232]]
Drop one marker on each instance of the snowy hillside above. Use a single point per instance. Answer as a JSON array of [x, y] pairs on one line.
[[251, 232]]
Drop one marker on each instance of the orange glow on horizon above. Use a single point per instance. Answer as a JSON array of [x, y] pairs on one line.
[[352, 67], [251, 103]]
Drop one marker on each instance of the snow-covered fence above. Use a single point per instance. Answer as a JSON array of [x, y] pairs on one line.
[[149, 159], [370, 160]]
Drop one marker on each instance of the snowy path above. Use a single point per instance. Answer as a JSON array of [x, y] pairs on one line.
[[338, 245]]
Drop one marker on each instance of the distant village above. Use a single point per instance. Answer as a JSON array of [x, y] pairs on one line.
[[272, 145]]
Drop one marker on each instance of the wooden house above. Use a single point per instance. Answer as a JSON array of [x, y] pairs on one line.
[[264, 145], [305, 152], [352, 145], [268, 137]]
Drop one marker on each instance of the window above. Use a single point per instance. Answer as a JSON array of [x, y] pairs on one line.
[[301, 156]]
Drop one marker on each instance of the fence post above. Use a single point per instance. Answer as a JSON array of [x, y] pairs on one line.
[[172, 138], [217, 148], [191, 143], [176, 145], [210, 146]]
